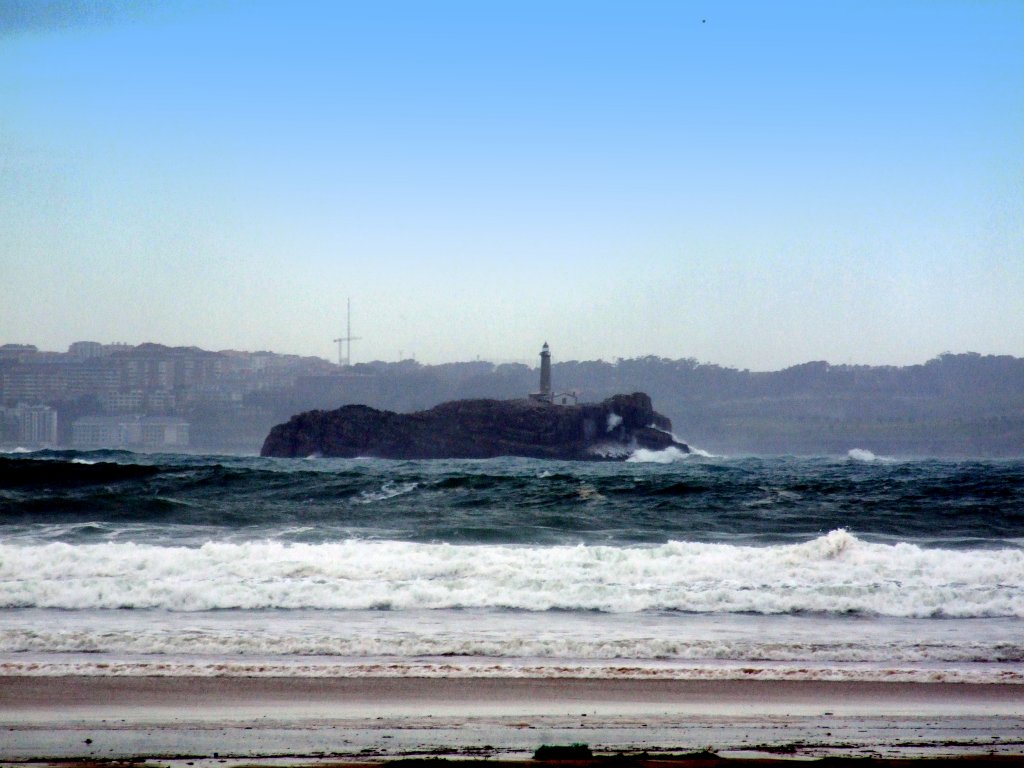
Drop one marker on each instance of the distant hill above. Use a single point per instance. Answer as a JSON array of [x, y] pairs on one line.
[[956, 405]]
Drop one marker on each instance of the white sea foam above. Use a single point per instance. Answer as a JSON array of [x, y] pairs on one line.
[[666, 456], [611, 450], [387, 491], [487, 668], [835, 573], [701, 452], [861, 454], [495, 643], [669, 455], [669, 639]]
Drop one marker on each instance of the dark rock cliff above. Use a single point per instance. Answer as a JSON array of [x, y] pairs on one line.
[[479, 429]]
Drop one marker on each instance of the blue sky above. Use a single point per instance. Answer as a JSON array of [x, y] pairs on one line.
[[754, 184]]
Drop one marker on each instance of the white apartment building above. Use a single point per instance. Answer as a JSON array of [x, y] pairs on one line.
[[30, 426], [147, 433]]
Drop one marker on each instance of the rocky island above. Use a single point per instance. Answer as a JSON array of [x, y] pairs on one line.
[[480, 429]]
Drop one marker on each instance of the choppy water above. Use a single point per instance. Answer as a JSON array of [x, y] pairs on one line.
[[849, 567]]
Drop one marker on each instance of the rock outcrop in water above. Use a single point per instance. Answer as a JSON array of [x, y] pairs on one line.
[[479, 429]]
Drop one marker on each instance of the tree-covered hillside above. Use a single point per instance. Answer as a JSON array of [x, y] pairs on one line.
[[953, 405]]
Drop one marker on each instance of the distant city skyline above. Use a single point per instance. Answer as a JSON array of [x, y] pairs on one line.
[[749, 184]]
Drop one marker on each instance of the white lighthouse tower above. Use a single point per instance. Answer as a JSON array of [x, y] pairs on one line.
[[545, 372], [546, 394]]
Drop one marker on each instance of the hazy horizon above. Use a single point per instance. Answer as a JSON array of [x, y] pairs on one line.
[[533, 362], [754, 185]]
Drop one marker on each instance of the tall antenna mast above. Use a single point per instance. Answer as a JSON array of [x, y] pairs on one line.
[[346, 360]]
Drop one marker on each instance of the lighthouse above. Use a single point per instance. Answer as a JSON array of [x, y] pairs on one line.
[[546, 394], [545, 373]]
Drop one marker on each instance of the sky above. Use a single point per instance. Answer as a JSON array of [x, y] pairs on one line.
[[753, 184]]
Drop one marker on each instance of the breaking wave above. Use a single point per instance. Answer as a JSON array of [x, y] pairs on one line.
[[861, 454], [833, 574], [666, 456]]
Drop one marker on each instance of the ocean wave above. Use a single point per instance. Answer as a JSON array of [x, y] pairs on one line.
[[27, 474], [668, 495], [386, 491], [832, 574], [592, 642], [666, 456], [862, 454]]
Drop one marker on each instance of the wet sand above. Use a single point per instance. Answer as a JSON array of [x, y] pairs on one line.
[[301, 721]]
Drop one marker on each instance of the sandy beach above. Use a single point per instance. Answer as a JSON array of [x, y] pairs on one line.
[[307, 720]]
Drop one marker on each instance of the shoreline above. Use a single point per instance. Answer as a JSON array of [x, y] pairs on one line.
[[407, 692], [262, 720]]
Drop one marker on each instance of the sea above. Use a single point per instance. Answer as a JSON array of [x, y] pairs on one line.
[[666, 566]]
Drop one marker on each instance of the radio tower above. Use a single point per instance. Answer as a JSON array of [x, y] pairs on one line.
[[346, 360]]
